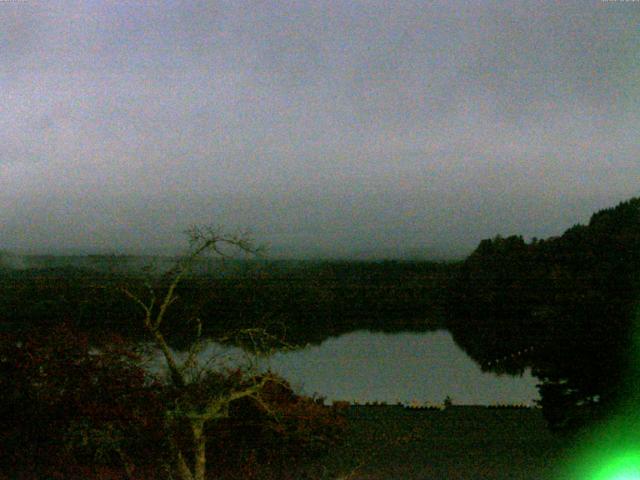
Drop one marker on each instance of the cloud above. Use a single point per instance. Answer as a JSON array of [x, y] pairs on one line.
[[344, 111]]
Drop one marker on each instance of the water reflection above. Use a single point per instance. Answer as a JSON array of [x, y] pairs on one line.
[[365, 367]]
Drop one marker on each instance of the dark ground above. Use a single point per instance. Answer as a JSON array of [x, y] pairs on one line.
[[475, 443]]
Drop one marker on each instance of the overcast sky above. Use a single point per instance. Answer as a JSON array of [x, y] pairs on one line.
[[331, 128]]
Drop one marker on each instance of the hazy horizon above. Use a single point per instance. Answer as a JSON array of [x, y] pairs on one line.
[[316, 248], [329, 129]]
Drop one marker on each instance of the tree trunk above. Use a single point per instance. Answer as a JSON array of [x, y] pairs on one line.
[[183, 470], [180, 466], [176, 375], [199, 443]]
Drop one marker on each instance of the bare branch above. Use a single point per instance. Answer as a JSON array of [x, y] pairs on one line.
[[169, 298], [221, 403], [135, 298], [195, 349], [202, 240], [177, 376]]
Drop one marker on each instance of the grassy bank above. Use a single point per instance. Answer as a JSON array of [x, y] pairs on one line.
[[474, 443]]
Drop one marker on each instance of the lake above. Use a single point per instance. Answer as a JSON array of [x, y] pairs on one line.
[[365, 366]]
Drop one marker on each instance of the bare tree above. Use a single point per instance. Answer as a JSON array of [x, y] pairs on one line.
[[200, 396]]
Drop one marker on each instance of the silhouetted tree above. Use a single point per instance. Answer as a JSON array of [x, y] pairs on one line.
[[199, 396]]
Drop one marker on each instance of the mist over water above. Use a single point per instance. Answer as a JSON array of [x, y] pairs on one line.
[[12, 261], [353, 225]]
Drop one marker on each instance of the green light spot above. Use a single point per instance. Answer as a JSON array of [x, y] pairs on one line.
[[624, 467]]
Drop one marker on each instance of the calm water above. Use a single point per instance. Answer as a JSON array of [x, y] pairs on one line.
[[365, 367]]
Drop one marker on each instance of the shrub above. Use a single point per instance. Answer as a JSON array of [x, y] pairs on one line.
[[67, 409], [275, 436]]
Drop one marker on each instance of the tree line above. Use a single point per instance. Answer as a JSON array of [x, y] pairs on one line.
[[564, 307]]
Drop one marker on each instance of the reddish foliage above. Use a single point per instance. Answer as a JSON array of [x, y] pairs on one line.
[[256, 443], [69, 411]]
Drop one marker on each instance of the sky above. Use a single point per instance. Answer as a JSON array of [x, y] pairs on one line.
[[359, 129]]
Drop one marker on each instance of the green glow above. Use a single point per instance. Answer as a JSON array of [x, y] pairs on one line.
[[623, 467], [611, 450]]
